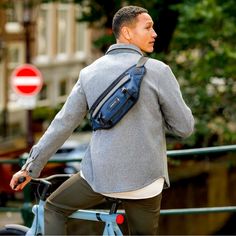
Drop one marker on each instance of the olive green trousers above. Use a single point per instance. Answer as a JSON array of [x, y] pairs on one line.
[[75, 193]]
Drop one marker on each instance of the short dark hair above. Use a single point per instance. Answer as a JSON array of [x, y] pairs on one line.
[[126, 15]]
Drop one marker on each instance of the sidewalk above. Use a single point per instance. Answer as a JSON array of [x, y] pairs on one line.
[[11, 147]]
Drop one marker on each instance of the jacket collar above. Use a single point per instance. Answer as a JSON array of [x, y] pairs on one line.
[[120, 47]]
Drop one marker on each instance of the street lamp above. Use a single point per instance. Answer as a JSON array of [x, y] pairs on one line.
[[26, 12]]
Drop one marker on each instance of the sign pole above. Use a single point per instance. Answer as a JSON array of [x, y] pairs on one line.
[[27, 81], [30, 135]]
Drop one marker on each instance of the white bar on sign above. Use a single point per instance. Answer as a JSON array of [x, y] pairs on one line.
[[27, 102], [27, 80]]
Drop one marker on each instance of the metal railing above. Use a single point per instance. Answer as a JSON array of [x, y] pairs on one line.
[[26, 208], [201, 151]]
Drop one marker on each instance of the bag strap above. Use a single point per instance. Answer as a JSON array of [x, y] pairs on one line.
[[142, 60]]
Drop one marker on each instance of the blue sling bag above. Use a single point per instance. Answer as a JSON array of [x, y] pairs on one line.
[[112, 105]]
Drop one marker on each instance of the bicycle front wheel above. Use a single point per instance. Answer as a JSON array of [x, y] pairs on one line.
[[14, 230]]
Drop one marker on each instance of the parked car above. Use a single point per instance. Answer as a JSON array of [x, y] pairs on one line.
[[72, 151]]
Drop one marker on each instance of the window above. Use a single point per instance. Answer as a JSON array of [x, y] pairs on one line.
[[62, 28], [80, 37], [62, 88], [12, 25], [43, 30], [81, 28], [15, 54], [43, 93], [11, 13]]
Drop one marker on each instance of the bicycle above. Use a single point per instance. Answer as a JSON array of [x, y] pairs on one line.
[[44, 187]]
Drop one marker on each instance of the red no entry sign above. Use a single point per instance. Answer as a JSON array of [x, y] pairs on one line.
[[26, 80]]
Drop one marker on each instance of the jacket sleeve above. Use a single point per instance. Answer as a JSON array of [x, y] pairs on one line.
[[177, 115], [64, 123]]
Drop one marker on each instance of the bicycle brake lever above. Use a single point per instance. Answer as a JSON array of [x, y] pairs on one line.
[[20, 181]]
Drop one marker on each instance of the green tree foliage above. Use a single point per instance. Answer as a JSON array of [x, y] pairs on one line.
[[203, 57], [99, 13], [197, 39]]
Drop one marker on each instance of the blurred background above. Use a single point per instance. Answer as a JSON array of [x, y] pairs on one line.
[[196, 38]]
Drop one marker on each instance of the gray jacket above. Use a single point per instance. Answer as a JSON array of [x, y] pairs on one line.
[[132, 154]]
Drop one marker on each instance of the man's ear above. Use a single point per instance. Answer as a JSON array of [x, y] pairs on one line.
[[126, 32]]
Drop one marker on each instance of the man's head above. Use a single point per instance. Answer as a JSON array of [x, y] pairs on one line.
[[133, 25]]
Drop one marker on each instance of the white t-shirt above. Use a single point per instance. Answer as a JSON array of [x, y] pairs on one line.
[[148, 191]]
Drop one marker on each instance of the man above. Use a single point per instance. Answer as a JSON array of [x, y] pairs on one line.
[[129, 160]]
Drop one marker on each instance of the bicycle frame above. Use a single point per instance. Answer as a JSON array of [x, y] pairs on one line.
[[111, 220]]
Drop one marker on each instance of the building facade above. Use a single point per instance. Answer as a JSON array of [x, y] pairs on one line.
[[60, 47]]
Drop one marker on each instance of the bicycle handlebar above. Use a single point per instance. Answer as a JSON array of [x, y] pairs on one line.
[[47, 184]]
